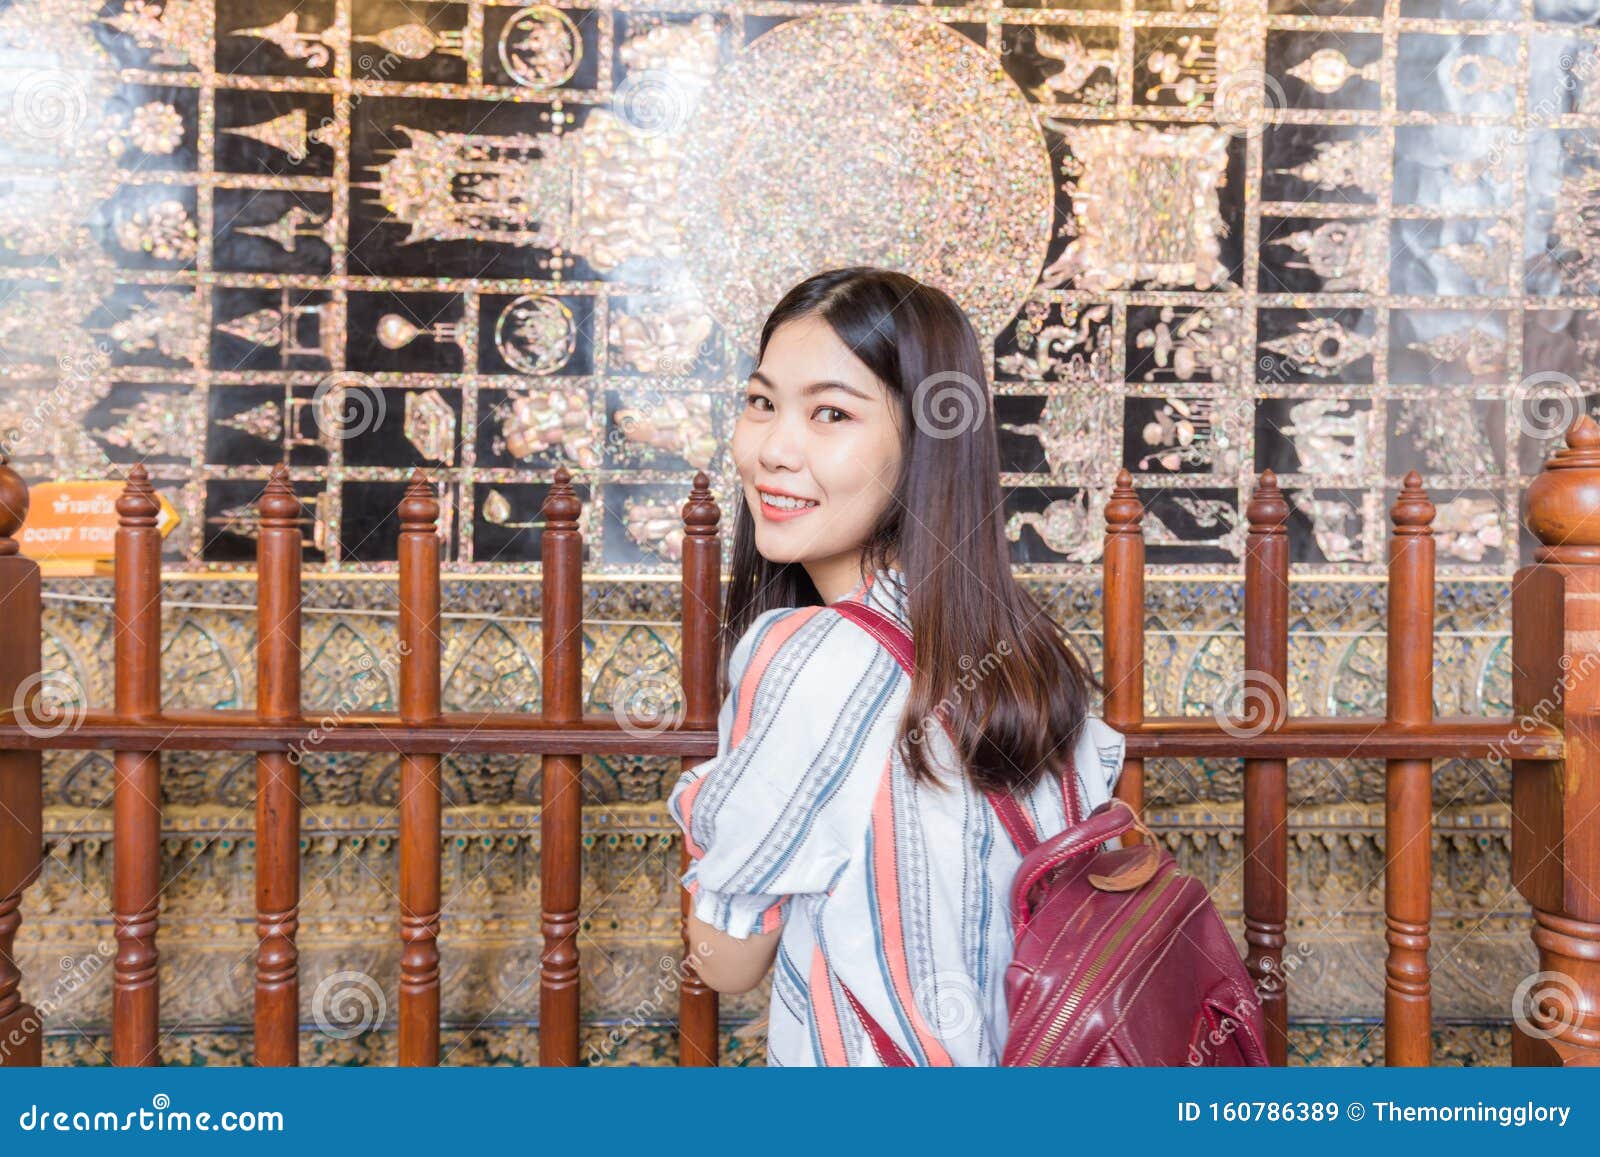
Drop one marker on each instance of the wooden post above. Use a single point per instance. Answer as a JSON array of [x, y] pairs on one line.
[[136, 803], [1555, 805], [702, 620], [21, 774], [1408, 811], [278, 553], [561, 810], [419, 775], [1123, 594], [1266, 781]]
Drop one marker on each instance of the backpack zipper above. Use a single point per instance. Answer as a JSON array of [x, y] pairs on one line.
[[1058, 1023]]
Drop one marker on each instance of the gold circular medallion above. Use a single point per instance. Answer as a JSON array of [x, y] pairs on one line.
[[867, 137]]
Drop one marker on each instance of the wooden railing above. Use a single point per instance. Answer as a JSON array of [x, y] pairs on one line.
[[1552, 743]]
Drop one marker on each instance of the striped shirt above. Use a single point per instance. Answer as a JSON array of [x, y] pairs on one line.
[[808, 820]]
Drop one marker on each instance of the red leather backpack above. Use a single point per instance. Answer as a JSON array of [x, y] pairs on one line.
[[1119, 958]]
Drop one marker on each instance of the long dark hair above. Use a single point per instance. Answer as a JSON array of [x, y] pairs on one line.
[[991, 665]]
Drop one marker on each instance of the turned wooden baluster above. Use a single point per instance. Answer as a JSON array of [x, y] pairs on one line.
[[21, 772], [419, 775], [702, 619], [561, 810], [1555, 805], [278, 552], [136, 802], [1123, 594], [1408, 811], [1266, 781]]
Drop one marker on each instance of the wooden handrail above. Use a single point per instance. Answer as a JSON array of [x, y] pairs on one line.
[[481, 732]]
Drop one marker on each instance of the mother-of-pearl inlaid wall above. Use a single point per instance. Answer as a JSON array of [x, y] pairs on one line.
[[1341, 239]]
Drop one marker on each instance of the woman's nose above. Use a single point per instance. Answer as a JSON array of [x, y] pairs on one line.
[[780, 447]]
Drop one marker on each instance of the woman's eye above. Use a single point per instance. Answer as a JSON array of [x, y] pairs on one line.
[[757, 401], [833, 410]]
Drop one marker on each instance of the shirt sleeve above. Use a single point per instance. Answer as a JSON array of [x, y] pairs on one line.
[[1111, 751], [763, 820], [1099, 757]]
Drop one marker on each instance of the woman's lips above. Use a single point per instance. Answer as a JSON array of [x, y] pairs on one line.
[[780, 514]]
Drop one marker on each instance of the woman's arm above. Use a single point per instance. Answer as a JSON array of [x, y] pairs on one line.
[[726, 963], [758, 819]]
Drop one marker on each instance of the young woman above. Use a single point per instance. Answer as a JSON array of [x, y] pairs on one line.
[[841, 833]]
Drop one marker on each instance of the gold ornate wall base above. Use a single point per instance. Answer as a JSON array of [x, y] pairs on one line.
[[490, 934]]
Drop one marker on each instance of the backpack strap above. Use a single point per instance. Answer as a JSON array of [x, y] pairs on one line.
[[898, 642], [890, 1055], [888, 631]]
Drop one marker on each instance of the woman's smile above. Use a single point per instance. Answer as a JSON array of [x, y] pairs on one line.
[[780, 506]]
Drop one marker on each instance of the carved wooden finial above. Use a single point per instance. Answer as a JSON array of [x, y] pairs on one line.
[[13, 506], [562, 505], [1583, 438], [419, 509], [1412, 512], [700, 512], [1124, 511], [137, 505], [1268, 511], [1562, 505], [278, 506]]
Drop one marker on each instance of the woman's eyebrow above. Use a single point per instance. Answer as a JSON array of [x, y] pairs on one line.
[[814, 387]]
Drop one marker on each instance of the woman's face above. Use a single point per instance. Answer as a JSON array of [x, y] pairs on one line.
[[817, 425]]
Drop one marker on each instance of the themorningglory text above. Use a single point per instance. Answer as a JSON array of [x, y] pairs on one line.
[[1505, 1115]]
